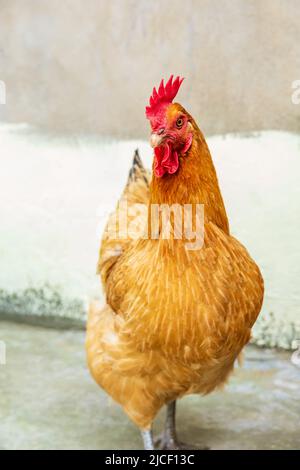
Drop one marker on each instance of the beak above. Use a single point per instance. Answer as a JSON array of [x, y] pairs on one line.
[[156, 139]]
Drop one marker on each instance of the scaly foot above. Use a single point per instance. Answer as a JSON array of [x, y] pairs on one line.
[[165, 442]]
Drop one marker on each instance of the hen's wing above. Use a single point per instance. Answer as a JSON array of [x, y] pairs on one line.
[[128, 219]]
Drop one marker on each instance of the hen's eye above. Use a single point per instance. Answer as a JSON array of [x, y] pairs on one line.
[[179, 123]]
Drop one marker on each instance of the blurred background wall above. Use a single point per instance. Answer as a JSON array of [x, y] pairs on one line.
[[89, 65], [81, 70]]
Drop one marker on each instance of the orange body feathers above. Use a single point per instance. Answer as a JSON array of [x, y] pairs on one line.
[[175, 320]]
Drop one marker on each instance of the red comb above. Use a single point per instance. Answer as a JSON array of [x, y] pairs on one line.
[[164, 95]]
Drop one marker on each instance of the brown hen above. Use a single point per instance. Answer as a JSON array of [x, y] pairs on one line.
[[176, 318]]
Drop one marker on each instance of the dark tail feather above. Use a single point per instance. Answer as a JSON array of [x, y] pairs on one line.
[[137, 169]]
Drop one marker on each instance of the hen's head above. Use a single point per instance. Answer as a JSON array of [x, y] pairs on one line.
[[171, 127]]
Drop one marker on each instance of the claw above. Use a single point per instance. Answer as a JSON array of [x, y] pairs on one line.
[[164, 442]]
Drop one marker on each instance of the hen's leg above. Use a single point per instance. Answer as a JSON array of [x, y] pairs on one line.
[[168, 440], [147, 439]]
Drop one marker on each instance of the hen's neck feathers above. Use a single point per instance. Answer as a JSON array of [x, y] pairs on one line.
[[194, 183]]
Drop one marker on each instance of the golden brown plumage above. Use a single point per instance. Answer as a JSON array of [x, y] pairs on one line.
[[175, 320]]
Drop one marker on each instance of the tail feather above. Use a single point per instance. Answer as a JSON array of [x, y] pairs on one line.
[[137, 169], [136, 191]]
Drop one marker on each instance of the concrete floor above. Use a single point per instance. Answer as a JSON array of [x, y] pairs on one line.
[[49, 401]]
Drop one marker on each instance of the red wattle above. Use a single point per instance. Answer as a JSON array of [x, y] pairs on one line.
[[166, 160]]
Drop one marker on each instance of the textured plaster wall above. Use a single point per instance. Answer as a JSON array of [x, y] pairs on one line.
[[89, 65]]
